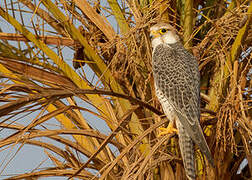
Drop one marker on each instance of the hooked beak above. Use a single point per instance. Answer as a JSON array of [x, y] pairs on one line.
[[154, 34]]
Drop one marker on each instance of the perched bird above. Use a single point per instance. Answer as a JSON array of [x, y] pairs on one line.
[[177, 86]]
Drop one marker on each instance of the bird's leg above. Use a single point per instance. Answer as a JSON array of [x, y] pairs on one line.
[[169, 130]]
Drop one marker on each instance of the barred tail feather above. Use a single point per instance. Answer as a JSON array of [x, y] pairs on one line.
[[187, 151]]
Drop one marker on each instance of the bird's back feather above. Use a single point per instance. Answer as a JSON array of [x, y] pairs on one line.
[[177, 77]]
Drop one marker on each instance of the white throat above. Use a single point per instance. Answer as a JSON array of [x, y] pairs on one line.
[[168, 38], [156, 41]]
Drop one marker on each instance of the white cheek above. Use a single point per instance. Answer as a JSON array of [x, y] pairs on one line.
[[170, 38]]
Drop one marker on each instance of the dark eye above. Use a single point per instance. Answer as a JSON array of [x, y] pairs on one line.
[[163, 30]]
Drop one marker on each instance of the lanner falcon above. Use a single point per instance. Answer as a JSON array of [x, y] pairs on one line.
[[177, 86]]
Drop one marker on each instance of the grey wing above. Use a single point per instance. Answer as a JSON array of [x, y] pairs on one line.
[[182, 91]]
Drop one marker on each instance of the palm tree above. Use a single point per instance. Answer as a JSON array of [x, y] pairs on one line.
[[113, 84]]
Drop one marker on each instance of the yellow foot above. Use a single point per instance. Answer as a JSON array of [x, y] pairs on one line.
[[169, 130]]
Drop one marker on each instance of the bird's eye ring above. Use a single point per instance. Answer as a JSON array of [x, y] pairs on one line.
[[163, 30]]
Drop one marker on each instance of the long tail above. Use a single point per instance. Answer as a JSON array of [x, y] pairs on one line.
[[187, 151]]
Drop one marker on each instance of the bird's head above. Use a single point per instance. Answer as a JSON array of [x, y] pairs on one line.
[[163, 33]]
